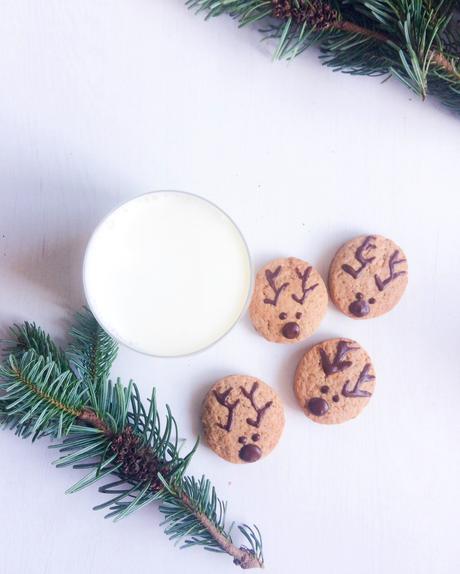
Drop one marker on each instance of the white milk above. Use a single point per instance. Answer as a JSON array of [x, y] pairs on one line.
[[167, 273]]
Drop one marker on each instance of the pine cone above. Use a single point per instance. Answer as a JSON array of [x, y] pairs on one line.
[[316, 14], [138, 462], [282, 9]]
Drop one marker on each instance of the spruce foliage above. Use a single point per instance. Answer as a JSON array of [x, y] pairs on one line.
[[416, 41], [105, 428]]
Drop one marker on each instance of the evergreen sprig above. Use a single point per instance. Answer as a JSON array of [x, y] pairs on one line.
[[40, 397], [92, 351], [417, 41], [30, 337], [105, 428]]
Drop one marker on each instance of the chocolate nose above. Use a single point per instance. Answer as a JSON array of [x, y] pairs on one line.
[[318, 406], [250, 453], [359, 308], [291, 330]]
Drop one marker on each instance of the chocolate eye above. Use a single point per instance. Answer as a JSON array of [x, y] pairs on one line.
[[255, 437], [372, 300], [336, 398], [324, 389], [283, 316], [242, 440], [359, 296], [298, 315]]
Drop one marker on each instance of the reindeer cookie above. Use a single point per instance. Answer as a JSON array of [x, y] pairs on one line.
[[334, 381], [289, 300], [242, 418], [368, 276]]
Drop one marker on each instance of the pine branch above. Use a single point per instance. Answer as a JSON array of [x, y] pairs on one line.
[[107, 429], [417, 41], [195, 511], [93, 351], [40, 398], [28, 337]]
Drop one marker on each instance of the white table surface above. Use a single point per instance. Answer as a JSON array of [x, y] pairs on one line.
[[103, 100]]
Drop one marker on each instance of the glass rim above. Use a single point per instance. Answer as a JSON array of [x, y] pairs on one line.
[[133, 347]]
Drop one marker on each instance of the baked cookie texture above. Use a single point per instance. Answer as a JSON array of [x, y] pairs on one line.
[[368, 276], [334, 381], [242, 418], [289, 300]]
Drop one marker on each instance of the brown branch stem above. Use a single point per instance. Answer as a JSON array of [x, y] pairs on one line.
[[242, 557], [320, 15], [89, 417], [437, 58], [443, 62], [356, 29]]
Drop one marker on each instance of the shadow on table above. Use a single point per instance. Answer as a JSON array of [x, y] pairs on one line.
[[45, 224]]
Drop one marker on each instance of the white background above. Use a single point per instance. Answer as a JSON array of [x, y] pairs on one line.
[[103, 100]]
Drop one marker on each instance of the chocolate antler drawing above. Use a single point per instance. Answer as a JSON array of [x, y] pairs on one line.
[[260, 411], [393, 274], [305, 291], [338, 364], [357, 391], [271, 276], [222, 399], [360, 256]]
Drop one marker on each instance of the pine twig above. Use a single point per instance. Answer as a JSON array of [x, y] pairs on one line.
[[105, 428], [89, 417], [242, 556], [437, 58], [93, 351], [417, 41]]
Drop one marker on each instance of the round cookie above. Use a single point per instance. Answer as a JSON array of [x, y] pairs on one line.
[[334, 381], [368, 276], [289, 300], [242, 418]]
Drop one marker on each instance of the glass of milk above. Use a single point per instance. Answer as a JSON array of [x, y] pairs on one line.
[[167, 273]]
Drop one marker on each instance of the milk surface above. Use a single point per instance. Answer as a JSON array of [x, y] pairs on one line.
[[167, 273]]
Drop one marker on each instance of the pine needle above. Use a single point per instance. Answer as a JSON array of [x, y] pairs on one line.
[[415, 41], [104, 427]]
